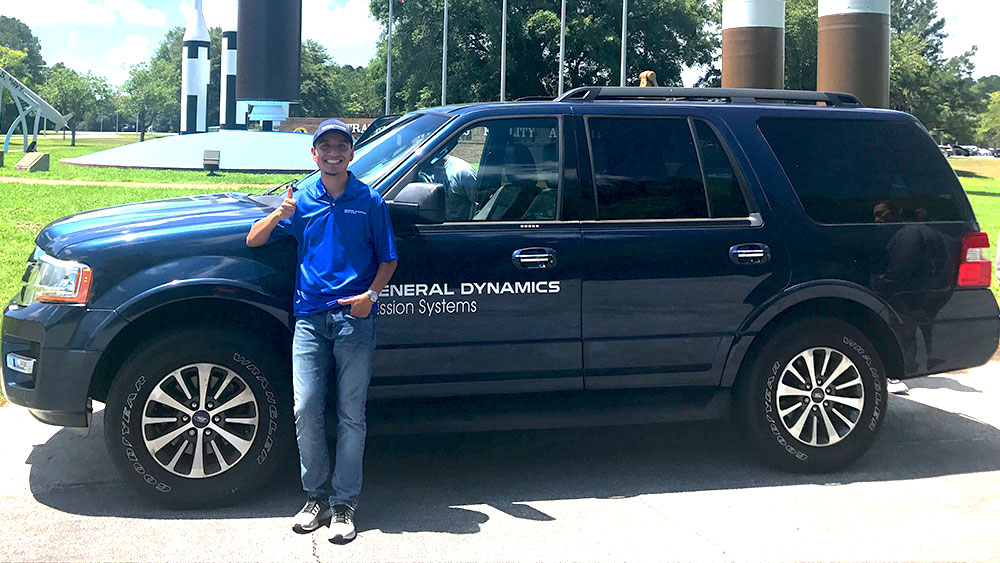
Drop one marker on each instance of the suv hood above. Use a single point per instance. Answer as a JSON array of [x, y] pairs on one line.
[[139, 220]]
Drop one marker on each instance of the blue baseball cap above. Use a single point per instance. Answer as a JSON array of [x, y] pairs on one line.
[[333, 126]]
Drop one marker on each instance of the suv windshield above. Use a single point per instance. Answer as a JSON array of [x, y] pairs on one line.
[[374, 159], [381, 153]]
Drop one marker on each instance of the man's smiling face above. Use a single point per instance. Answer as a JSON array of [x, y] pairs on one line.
[[332, 153]]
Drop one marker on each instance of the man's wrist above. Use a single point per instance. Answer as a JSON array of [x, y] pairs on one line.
[[372, 295]]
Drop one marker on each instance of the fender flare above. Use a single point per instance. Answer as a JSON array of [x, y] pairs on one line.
[[186, 290], [795, 295]]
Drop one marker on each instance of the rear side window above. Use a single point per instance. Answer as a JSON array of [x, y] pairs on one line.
[[650, 169], [850, 171]]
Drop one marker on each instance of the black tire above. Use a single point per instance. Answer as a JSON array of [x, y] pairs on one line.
[[240, 439], [771, 395]]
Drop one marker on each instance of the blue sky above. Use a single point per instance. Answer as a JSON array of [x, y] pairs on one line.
[[106, 37]]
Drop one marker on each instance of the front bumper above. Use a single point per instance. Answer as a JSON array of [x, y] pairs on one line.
[[53, 369]]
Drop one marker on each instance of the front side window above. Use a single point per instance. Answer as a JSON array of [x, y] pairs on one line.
[[499, 170]]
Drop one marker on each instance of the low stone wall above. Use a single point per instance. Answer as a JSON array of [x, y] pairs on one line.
[[309, 124]]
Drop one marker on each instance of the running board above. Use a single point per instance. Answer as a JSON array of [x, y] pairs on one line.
[[546, 410]]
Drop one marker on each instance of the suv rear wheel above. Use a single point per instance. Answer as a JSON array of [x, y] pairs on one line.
[[198, 416], [813, 396]]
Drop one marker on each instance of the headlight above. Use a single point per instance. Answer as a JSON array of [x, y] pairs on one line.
[[50, 280]]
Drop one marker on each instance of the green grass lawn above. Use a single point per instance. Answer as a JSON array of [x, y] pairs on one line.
[[58, 149], [981, 179]]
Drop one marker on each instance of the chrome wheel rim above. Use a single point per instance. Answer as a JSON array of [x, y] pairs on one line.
[[820, 396], [200, 420]]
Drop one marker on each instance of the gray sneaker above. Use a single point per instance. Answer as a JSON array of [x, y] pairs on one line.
[[312, 516], [342, 524]]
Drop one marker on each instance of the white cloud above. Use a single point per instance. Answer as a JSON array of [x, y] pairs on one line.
[[74, 63], [973, 22], [132, 11], [82, 12], [120, 59], [218, 13], [74, 35], [350, 25]]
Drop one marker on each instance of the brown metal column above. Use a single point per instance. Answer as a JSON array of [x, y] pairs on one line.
[[853, 49], [753, 44]]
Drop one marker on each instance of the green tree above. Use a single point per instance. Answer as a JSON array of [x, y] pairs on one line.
[[664, 35], [987, 85], [149, 91], [919, 17], [170, 52], [104, 102], [318, 91], [69, 92], [21, 56], [989, 122], [800, 44], [328, 89], [14, 34], [938, 91]]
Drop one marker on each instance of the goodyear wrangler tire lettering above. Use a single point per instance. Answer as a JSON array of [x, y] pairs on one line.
[[206, 413], [811, 397]]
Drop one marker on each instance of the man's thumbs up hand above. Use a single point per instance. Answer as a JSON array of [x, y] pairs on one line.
[[287, 207]]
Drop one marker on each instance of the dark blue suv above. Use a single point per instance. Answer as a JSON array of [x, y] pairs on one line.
[[613, 256]]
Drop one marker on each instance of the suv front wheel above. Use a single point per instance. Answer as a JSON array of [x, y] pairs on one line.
[[813, 397], [198, 416]]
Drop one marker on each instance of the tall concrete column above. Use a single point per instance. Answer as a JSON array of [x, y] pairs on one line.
[[195, 70], [853, 49], [753, 44], [268, 57]]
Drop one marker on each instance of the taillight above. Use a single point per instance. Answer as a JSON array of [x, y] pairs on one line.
[[974, 268]]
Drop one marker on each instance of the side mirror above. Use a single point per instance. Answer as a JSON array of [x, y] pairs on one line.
[[419, 202]]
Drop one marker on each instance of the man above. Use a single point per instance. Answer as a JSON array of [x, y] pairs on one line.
[[459, 181], [346, 255], [919, 269]]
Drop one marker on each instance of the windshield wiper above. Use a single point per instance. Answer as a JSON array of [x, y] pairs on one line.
[[279, 187]]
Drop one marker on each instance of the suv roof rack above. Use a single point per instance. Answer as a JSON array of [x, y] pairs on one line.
[[535, 99], [725, 95]]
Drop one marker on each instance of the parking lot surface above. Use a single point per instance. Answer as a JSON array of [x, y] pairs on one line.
[[929, 490]]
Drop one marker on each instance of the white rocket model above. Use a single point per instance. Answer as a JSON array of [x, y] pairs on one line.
[[232, 114], [195, 69]]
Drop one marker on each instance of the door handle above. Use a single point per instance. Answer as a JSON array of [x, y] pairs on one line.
[[750, 253], [535, 258]]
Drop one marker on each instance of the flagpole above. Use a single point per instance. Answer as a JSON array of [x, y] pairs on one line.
[[444, 57], [388, 61], [562, 45], [503, 54], [624, 38]]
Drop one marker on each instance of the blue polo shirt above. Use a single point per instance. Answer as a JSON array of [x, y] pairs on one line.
[[341, 243]]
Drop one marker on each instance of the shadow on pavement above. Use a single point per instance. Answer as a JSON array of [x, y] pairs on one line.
[[940, 382], [429, 482]]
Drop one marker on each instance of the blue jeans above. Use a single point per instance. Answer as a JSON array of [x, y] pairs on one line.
[[328, 345]]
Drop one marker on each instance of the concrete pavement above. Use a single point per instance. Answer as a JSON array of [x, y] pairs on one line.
[[929, 490]]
